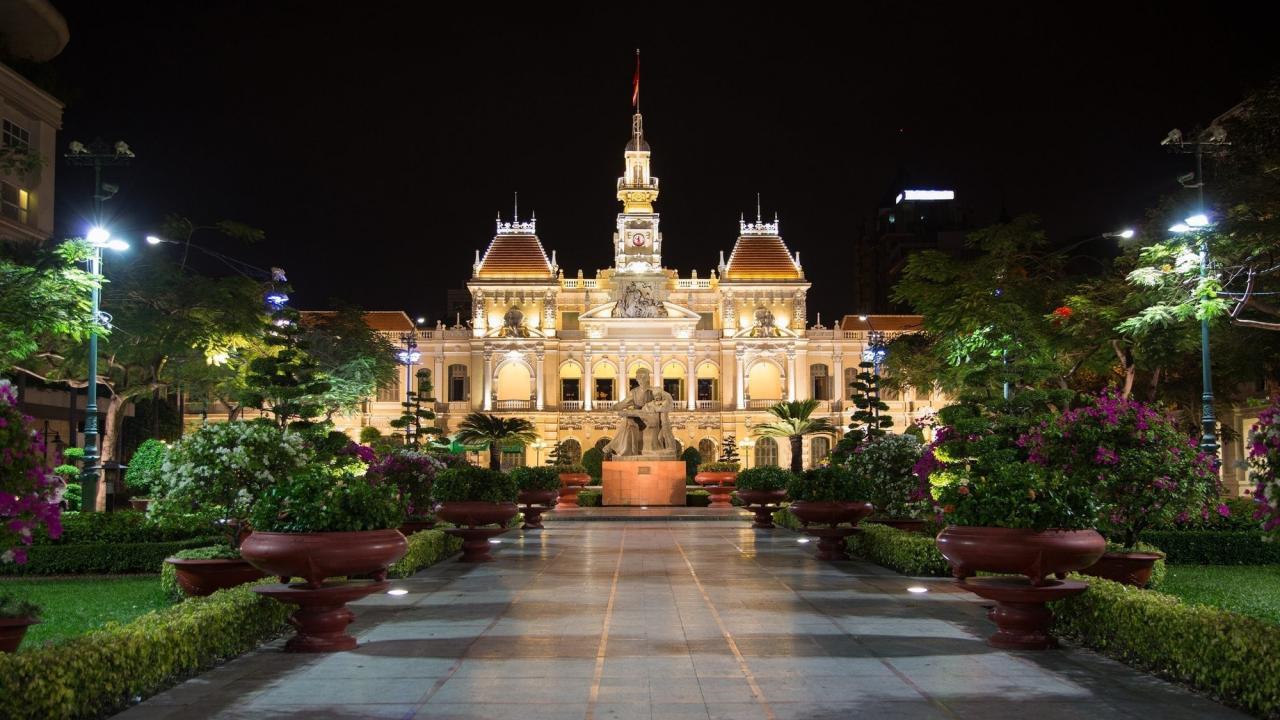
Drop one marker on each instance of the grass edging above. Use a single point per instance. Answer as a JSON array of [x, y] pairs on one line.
[[103, 671], [1230, 656]]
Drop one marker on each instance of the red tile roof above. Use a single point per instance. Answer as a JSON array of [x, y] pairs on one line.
[[515, 256], [761, 257], [382, 320]]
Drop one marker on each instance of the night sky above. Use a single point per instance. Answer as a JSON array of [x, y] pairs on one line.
[[375, 142]]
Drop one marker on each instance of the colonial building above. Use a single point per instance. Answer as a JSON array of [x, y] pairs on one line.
[[560, 348]]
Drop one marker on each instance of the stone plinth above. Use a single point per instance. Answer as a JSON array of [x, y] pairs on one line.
[[644, 482]]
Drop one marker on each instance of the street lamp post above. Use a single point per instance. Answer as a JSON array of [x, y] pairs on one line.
[[408, 357], [1196, 225]]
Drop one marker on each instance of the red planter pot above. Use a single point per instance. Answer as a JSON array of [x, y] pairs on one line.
[[139, 504], [707, 477], [316, 556], [535, 503], [409, 527], [1132, 568], [762, 503], [12, 631], [199, 578], [1035, 554], [830, 513], [471, 514], [570, 485], [719, 486]]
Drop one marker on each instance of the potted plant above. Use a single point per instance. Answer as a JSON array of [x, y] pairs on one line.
[[30, 493], [888, 463], [829, 497], [412, 473], [224, 469], [472, 497], [143, 473], [718, 478], [792, 421], [16, 616], [1146, 472], [573, 477], [538, 489], [762, 490]]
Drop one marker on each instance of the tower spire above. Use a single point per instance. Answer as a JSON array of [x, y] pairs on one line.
[[758, 218], [515, 211]]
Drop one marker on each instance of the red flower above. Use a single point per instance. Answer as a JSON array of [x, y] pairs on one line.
[[963, 490]]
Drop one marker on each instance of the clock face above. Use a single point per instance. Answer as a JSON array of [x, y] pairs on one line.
[[638, 239]]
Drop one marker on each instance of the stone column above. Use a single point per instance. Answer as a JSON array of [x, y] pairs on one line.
[[791, 374], [623, 382], [691, 381], [588, 391], [740, 370], [657, 366], [837, 383], [488, 378], [538, 377]]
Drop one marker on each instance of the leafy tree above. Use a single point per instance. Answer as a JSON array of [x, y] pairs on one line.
[[44, 299], [354, 358], [414, 412], [481, 427], [692, 459], [593, 461], [286, 380], [793, 422]]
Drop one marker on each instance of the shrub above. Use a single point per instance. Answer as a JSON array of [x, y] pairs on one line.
[[827, 484], [1230, 656], [905, 552], [144, 472], [590, 498], [104, 671], [697, 498], [473, 484], [128, 526], [889, 463], [1215, 547], [1019, 495], [536, 478], [30, 493], [593, 461], [426, 548], [692, 459], [12, 606], [571, 468], [764, 478], [369, 434], [412, 473], [719, 466], [169, 575], [1264, 464], [319, 499], [100, 559], [1144, 469]]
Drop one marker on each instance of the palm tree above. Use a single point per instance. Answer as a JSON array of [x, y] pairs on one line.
[[479, 427], [793, 422]]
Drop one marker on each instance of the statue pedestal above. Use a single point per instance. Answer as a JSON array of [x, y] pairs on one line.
[[644, 482]]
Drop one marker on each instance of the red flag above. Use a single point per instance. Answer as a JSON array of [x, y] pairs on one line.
[[635, 82]]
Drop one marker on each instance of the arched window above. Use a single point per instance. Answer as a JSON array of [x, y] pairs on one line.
[[570, 452], [764, 382], [707, 449], [819, 449], [459, 391], [673, 380], [571, 382], [766, 452], [514, 382], [821, 379], [708, 382]]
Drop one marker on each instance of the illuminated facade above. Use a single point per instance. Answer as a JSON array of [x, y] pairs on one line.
[[558, 348]]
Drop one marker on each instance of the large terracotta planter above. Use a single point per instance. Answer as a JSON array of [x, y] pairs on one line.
[[1130, 568], [469, 516], [12, 631], [316, 556], [570, 485], [199, 578], [1036, 554], [409, 527], [830, 513], [763, 503], [1023, 621], [535, 503], [322, 616], [719, 485]]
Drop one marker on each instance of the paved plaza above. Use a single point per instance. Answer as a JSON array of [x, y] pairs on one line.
[[672, 621]]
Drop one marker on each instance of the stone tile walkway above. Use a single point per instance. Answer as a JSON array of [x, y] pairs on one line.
[[672, 621]]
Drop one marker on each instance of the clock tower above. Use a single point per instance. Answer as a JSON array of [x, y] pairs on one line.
[[637, 244]]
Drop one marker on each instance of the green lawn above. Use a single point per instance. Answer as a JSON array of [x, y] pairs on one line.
[[72, 606], [1247, 589]]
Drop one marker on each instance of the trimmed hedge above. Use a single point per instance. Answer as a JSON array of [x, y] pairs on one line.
[[426, 548], [697, 498], [126, 526], [590, 498], [905, 552], [1214, 547], [1233, 657], [100, 559], [103, 671]]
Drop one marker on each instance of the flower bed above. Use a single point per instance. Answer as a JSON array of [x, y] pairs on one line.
[[100, 558], [102, 672], [1230, 656]]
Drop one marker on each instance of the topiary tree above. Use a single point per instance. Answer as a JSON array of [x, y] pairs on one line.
[[692, 459], [143, 474], [729, 450], [414, 412], [369, 435], [593, 461], [558, 455]]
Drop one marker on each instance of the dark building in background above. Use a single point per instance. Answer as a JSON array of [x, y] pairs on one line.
[[910, 219]]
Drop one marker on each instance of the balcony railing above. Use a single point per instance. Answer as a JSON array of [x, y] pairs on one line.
[[579, 283], [501, 405], [454, 406], [707, 404], [570, 405], [693, 283], [603, 404], [757, 404]]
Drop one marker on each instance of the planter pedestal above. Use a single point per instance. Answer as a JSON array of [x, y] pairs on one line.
[[763, 503], [719, 495], [475, 542], [719, 485], [536, 502], [322, 616], [12, 631], [570, 485], [1020, 614], [830, 541]]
